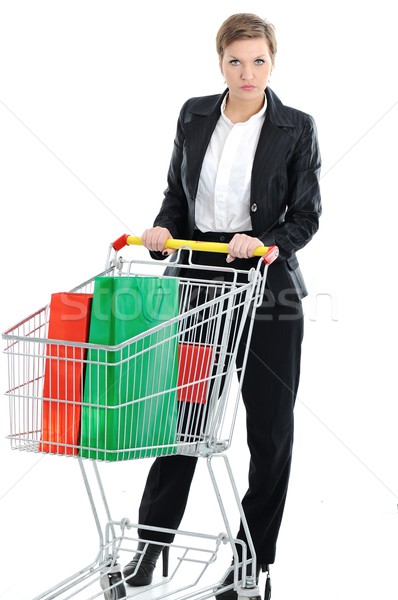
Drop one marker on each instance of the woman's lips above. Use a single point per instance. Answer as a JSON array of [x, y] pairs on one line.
[[247, 87]]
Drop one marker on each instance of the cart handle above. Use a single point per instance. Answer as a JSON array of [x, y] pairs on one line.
[[269, 253]]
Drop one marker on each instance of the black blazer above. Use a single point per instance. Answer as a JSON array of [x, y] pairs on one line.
[[285, 203]]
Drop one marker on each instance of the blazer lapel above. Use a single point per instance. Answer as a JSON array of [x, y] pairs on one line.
[[198, 133], [273, 143]]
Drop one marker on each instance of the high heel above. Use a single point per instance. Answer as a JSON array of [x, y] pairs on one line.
[[267, 593], [146, 557]]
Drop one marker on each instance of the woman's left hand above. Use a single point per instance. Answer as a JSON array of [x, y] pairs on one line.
[[242, 246]]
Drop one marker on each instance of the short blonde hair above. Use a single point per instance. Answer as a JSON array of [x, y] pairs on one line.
[[245, 26]]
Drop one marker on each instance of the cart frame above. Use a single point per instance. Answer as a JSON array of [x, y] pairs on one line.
[[27, 350]]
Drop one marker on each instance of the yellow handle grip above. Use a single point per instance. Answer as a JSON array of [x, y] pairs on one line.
[[270, 253], [174, 244]]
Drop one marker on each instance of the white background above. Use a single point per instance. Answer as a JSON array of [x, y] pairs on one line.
[[89, 96]]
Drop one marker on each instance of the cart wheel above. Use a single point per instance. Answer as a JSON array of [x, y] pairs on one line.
[[113, 586], [255, 595]]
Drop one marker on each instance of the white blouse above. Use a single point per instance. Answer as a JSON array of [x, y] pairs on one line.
[[223, 198]]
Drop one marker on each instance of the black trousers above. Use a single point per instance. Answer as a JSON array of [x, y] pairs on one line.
[[269, 391]]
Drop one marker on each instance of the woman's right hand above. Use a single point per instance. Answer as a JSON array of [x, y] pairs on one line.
[[155, 239]]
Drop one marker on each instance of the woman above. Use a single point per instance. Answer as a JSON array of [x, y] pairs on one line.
[[244, 169]]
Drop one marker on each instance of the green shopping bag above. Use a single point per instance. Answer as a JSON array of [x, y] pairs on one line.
[[129, 407]]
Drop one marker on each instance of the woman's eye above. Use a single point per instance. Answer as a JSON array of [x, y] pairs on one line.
[[259, 61], [234, 61]]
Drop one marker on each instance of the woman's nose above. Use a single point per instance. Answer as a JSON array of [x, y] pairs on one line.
[[247, 73]]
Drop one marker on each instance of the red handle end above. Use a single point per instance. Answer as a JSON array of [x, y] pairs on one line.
[[120, 243], [271, 255]]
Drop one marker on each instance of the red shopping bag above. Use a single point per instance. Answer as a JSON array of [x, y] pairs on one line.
[[63, 375], [194, 362]]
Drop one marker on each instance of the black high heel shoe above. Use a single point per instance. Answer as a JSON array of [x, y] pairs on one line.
[[147, 556]]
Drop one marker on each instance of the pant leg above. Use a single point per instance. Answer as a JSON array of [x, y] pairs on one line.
[[169, 480], [269, 392], [165, 495]]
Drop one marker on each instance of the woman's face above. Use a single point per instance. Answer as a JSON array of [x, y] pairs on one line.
[[246, 66]]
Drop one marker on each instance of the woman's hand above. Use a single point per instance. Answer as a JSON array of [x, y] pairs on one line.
[[155, 239], [242, 246]]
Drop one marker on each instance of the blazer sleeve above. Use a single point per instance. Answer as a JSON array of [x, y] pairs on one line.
[[173, 212], [303, 204]]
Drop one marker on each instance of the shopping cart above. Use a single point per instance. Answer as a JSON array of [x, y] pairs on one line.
[[197, 350]]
